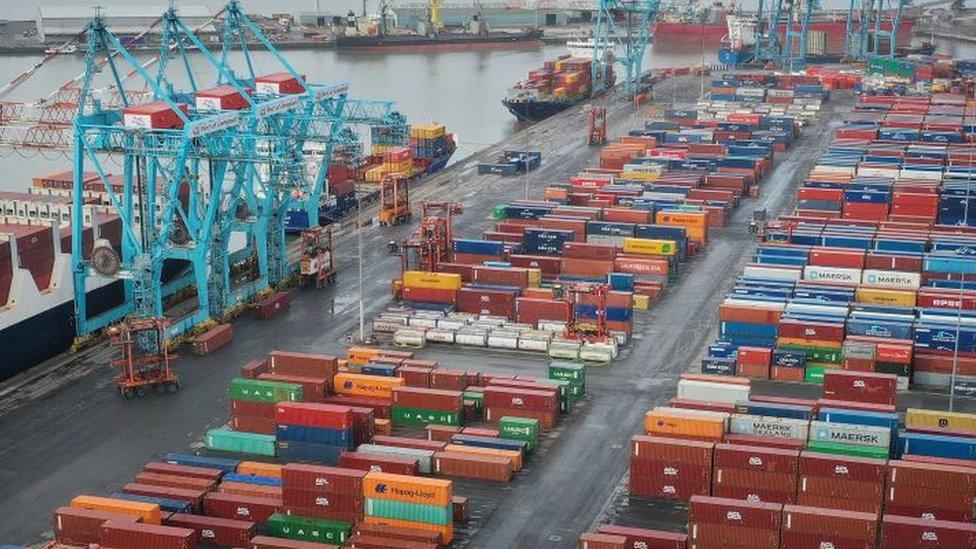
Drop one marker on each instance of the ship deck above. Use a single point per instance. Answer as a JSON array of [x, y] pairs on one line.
[[66, 432]]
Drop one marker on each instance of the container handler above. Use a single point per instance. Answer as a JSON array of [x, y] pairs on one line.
[[430, 244], [145, 361], [394, 200], [318, 260]]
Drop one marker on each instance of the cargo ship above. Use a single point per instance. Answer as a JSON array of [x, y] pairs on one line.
[[558, 85], [36, 280], [446, 40]]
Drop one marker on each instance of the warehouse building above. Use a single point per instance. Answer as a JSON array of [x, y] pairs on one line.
[[57, 22]]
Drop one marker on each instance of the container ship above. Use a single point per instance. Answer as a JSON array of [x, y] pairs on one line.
[[36, 281], [557, 86]]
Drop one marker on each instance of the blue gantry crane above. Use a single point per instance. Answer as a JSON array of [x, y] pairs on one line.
[[872, 28], [622, 33], [190, 184], [789, 49]]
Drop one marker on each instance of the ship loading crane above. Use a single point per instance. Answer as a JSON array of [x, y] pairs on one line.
[[626, 46], [788, 51], [872, 28]]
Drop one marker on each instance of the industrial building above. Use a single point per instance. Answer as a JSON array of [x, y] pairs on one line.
[[54, 22]]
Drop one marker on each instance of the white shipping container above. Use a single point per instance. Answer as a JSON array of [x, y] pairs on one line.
[[421, 322], [439, 335], [471, 338], [385, 326], [503, 339], [832, 274], [850, 433], [706, 391], [533, 343], [409, 338], [772, 273], [423, 457], [768, 426], [893, 279], [561, 348]]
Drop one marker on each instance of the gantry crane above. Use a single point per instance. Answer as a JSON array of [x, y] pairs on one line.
[[788, 50], [872, 28], [626, 45]]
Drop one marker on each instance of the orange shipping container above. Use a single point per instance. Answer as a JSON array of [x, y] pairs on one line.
[[687, 425], [259, 469], [513, 455], [696, 223], [426, 491], [149, 513], [360, 355], [365, 385], [446, 531]]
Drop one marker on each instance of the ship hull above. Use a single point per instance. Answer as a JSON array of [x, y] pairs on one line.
[[50, 332], [442, 41], [531, 112], [688, 33]]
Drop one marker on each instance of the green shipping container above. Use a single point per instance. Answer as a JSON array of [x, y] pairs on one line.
[[847, 449], [816, 354], [225, 440], [566, 397], [520, 428], [423, 416], [415, 512], [257, 390], [477, 397], [316, 530], [814, 374], [568, 371], [498, 212]]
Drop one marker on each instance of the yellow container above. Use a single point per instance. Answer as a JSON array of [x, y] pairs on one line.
[[535, 277], [512, 455], [935, 419], [446, 531], [642, 302], [259, 469], [698, 426], [885, 296], [641, 176], [423, 490], [149, 513], [361, 355], [433, 281], [647, 246], [366, 385]]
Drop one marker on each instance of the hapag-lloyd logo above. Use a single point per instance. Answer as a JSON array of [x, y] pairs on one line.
[[400, 491], [670, 471], [859, 384], [733, 515], [517, 401], [842, 470], [321, 481], [322, 501], [755, 461]]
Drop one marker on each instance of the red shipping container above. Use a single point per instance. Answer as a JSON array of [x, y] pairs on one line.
[[429, 295], [930, 497], [314, 389], [766, 442], [769, 460], [380, 406], [716, 535], [263, 410], [850, 405], [786, 373], [550, 266], [441, 433], [466, 271], [843, 467], [253, 369], [322, 479], [671, 471], [811, 330], [483, 467], [311, 414], [214, 530], [754, 493], [646, 266], [583, 250], [449, 380], [303, 364], [596, 540], [372, 542], [280, 83], [851, 489], [267, 542], [547, 419], [860, 386], [932, 475], [407, 442], [486, 302], [915, 533], [73, 526], [746, 514], [396, 533], [796, 540], [642, 538], [928, 511], [250, 424], [941, 461], [668, 488], [213, 339], [480, 432], [323, 504], [126, 535], [156, 115], [893, 262], [837, 257], [833, 502], [531, 311], [175, 481], [270, 306], [669, 449], [502, 276], [831, 522], [238, 507], [754, 356], [435, 399], [182, 470], [384, 464], [689, 404]]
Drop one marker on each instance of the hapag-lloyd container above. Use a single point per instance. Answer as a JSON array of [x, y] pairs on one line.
[[912, 533], [831, 527], [848, 433], [641, 538], [769, 460], [238, 507], [860, 386], [310, 414], [73, 526], [738, 513], [150, 536], [766, 426], [214, 530]]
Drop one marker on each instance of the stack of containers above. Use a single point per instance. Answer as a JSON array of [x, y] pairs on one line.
[[722, 522], [670, 468], [409, 502], [313, 372], [572, 373], [755, 473], [422, 406], [420, 288], [930, 491], [322, 492], [429, 142], [313, 432], [841, 482], [521, 429], [252, 403], [530, 402], [827, 527]]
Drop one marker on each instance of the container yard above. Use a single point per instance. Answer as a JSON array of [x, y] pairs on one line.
[[705, 307]]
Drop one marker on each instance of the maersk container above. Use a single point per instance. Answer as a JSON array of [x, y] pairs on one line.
[[227, 465], [765, 426], [414, 512], [935, 445], [225, 440], [849, 433], [844, 449], [858, 417]]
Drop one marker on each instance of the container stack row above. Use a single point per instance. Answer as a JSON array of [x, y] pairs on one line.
[[845, 462]]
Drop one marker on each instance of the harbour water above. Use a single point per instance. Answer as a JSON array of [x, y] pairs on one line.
[[462, 89]]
